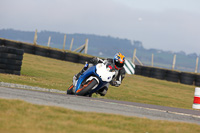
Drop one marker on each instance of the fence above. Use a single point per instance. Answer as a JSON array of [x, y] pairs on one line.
[[46, 51], [195, 70], [81, 48]]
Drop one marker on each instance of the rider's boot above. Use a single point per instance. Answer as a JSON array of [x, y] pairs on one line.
[[81, 72], [103, 91]]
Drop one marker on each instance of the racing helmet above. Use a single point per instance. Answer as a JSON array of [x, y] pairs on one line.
[[119, 60]]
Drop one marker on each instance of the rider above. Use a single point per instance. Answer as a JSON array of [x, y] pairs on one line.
[[118, 61]]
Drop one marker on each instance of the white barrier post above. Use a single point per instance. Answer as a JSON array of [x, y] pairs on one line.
[[196, 102], [129, 67]]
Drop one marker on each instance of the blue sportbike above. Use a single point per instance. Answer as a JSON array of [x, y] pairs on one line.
[[93, 79]]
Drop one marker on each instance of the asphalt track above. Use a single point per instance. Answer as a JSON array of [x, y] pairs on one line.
[[88, 104]]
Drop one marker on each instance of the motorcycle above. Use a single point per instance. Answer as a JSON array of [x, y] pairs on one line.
[[93, 79]]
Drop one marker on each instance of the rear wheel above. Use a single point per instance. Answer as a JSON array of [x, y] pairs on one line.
[[86, 87]]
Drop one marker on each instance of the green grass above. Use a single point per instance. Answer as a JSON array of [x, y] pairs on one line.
[[21, 117], [56, 74]]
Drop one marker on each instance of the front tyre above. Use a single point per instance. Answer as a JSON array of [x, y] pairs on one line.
[[70, 90], [87, 87]]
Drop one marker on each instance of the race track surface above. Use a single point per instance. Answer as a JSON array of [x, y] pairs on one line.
[[88, 104]]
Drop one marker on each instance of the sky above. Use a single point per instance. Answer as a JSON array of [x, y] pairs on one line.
[[169, 25]]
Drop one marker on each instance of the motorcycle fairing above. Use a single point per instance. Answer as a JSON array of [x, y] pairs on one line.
[[90, 72]]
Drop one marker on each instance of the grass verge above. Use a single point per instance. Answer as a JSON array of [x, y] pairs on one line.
[[19, 116]]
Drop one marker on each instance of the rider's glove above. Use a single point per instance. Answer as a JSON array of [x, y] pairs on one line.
[[95, 60]]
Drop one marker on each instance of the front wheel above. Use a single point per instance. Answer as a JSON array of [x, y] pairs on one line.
[[87, 87], [70, 90]]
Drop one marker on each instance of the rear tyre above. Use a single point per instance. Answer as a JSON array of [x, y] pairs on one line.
[[86, 88]]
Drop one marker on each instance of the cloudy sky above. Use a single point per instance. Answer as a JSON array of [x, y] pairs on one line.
[[162, 24]]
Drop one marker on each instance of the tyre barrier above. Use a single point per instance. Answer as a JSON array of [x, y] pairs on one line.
[[158, 73], [56, 54], [1, 42], [173, 76], [12, 44], [71, 57], [138, 69], [187, 78], [146, 71], [84, 59], [10, 60], [197, 80], [41, 51], [169, 75], [28, 48]]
